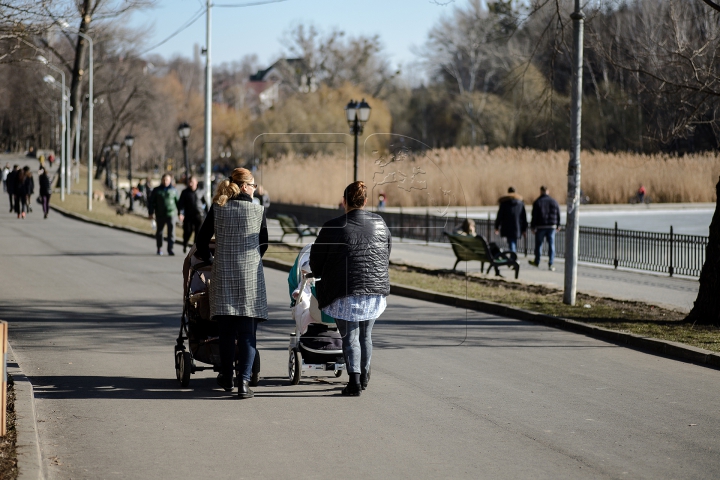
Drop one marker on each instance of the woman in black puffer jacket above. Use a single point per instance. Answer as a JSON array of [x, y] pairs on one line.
[[351, 257]]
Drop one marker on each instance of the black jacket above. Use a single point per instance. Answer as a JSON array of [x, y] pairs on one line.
[[545, 212], [29, 185], [10, 182], [351, 256], [511, 218], [192, 204], [207, 231], [44, 181]]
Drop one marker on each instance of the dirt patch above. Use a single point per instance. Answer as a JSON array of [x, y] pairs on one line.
[[8, 453]]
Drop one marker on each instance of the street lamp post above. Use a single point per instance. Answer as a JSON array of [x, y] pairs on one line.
[[184, 133], [357, 114], [129, 140], [63, 153], [116, 150], [90, 123]]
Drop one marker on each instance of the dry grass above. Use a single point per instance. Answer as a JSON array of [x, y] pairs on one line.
[[478, 176]]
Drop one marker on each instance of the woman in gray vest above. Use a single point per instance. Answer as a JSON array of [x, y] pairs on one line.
[[237, 290]]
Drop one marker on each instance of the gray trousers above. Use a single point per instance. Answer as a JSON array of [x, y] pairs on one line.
[[161, 222], [357, 344]]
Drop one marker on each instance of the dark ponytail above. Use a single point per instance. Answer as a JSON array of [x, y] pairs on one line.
[[355, 195]]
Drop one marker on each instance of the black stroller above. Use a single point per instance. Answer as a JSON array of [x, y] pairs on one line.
[[197, 328]]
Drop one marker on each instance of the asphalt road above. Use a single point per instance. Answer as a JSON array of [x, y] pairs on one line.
[[94, 313]]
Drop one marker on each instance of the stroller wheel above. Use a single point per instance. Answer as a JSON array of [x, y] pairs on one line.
[[183, 368], [294, 368]]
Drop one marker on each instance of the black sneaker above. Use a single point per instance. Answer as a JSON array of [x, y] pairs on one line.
[[171, 253]]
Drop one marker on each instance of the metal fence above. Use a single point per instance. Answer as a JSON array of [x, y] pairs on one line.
[[671, 253]]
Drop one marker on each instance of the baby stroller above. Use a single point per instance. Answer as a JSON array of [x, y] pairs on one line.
[[201, 333], [316, 343]]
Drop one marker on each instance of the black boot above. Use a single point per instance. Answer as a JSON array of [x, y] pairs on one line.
[[244, 390], [353, 387], [225, 382]]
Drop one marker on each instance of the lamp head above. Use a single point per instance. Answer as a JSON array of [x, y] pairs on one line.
[[116, 147], [351, 112], [129, 140], [363, 110], [49, 79], [184, 130]]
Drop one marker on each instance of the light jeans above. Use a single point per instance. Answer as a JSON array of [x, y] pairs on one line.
[[357, 344]]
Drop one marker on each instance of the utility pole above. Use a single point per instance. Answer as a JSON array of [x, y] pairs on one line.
[[572, 228], [208, 106]]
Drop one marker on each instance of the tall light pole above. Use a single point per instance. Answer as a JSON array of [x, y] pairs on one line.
[[208, 105], [572, 228], [116, 150], [129, 140], [90, 123], [63, 158], [357, 114], [184, 133]]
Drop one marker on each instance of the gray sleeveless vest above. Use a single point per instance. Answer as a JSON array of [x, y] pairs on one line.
[[238, 282]]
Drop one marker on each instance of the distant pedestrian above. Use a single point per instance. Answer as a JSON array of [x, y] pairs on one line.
[[11, 181], [5, 171], [511, 221], [238, 297], [51, 159], [20, 193], [45, 190], [192, 209], [163, 207], [351, 258], [641, 193], [545, 221], [262, 196], [381, 202], [467, 228], [29, 187]]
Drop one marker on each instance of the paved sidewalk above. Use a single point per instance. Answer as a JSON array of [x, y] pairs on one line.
[[671, 292]]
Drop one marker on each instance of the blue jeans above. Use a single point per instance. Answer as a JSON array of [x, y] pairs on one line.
[[244, 330], [540, 235], [357, 344], [512, 244]]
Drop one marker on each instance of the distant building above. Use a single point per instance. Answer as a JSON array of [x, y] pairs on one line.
[[288, 73]]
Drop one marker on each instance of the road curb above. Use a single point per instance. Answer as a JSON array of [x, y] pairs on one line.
[[674, 350], [29, 457], [651, 345]]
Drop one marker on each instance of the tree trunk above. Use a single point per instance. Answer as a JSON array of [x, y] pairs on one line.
[[77, 71], [707, 305]]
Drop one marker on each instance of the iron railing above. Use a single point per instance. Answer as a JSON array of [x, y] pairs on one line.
[[671, 253]]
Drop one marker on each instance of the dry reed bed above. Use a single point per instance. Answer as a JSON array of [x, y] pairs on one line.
[[478, 176]]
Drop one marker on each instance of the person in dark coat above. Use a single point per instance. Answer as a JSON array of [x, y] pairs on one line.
[[10, 182], [45, 190], [545, 221], [238, 298], [20, 192], [191, 209], [29, 188], [351, 259], [511, 221]]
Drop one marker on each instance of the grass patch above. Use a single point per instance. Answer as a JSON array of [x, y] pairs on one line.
[[102, 211], [8, 452]]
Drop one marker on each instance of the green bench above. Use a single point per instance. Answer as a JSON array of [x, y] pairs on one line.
[[468, 248], [290, 225]]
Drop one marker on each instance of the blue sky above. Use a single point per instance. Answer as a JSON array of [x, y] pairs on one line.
[[401, 24]]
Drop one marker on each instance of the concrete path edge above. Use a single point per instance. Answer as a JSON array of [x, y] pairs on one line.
[[29, 456], [647, 344], [656, 346]]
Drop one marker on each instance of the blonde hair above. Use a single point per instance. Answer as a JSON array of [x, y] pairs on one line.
[[231, 188]]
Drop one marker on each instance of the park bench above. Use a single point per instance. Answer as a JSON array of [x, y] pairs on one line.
[[468, 248], [290, 225]]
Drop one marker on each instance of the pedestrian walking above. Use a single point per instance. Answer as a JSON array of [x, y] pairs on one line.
[[238, 299], [45, 191], [162, 206], [5, 172], [11, 181], [351, 259], [545, 221], [20, 193], [192, 209], [51, 159], [511, 221], [29, 188]]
